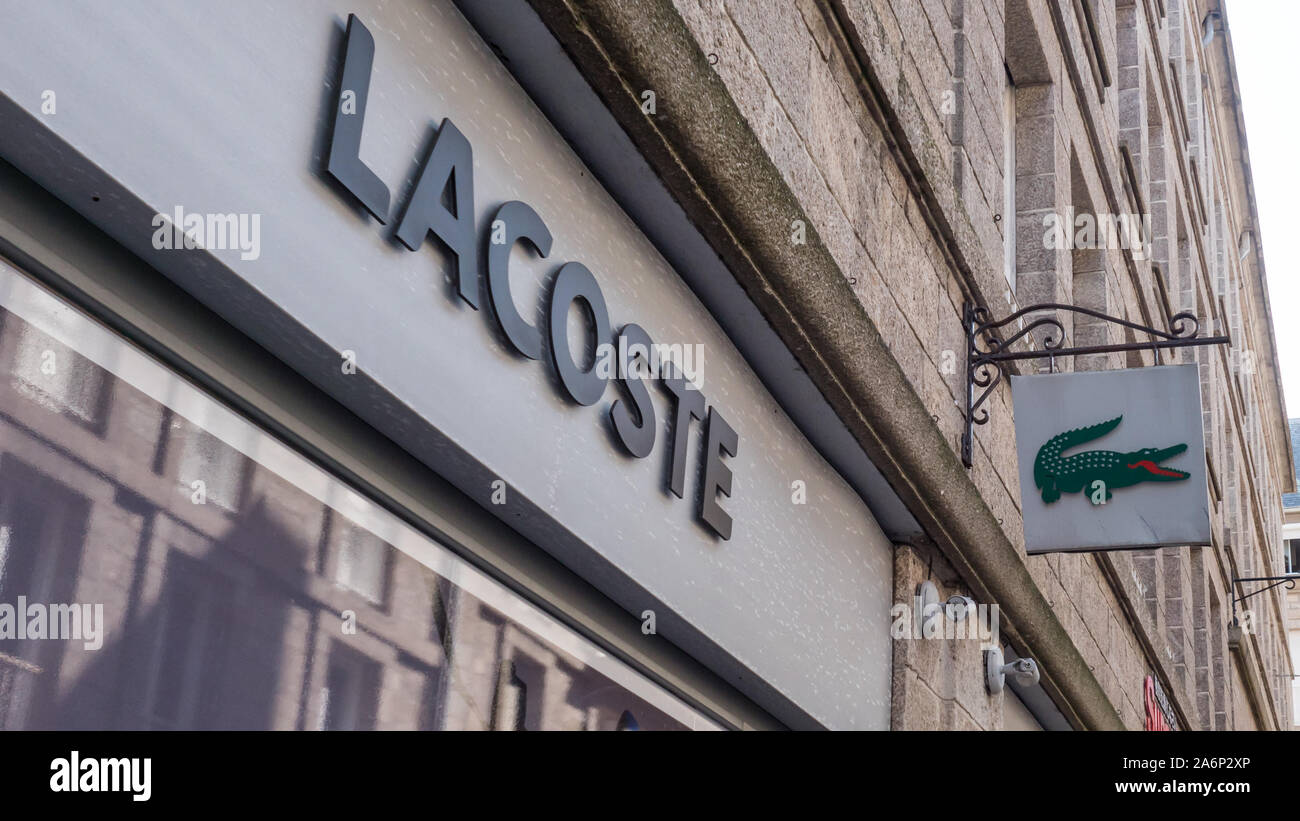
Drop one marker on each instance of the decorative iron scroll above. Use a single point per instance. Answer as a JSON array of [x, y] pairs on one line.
[[987, 349]]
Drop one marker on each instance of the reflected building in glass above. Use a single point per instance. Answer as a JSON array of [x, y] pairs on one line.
[[234, 598]]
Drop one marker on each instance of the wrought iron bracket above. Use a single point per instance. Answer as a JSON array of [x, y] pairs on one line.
[[1289, 581], [987, 349]]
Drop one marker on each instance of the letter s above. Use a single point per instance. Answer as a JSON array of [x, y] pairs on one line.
[[638, 438]]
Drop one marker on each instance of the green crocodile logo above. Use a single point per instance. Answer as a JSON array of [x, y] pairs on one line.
[[1055, 474]]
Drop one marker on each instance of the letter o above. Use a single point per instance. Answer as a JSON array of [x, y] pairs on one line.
[[573, 281]]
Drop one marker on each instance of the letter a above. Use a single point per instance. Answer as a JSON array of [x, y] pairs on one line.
[[450, 159]]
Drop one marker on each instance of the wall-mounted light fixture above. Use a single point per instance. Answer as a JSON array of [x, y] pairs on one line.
[[929, 607], [1022, 671]]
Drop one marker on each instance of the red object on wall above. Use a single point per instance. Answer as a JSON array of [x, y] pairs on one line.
[[1157, 719]]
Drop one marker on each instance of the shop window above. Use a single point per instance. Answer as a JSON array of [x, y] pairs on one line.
[[350, 699], [50, 374], [217, 622], [42, 524], [192, 645], [519, 700], [220, 468], [441, 607], [362, 563]]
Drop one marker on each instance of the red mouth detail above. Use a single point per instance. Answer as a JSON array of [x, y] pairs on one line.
[[1152, 467]]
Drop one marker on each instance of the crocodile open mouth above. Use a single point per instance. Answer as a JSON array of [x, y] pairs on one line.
[[1156, 470], [1151, 465]]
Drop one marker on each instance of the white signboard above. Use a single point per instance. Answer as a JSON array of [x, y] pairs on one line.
[[1111, 460]]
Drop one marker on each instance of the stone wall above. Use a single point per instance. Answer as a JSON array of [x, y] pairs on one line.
[[889, 122]]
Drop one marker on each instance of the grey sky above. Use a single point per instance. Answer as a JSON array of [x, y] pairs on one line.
[[1264, 41]]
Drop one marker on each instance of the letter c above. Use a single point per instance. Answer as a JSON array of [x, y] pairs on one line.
[[521, 223]]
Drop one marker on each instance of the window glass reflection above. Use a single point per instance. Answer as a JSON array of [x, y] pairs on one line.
[[54, 376], [239, 586]]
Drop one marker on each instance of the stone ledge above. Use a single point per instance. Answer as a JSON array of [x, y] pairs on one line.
[[705, 153]]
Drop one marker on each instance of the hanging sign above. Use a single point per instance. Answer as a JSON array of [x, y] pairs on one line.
[[1160, 716], [1111, 460]]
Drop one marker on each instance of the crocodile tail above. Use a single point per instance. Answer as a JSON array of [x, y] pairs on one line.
[[1052, 450]]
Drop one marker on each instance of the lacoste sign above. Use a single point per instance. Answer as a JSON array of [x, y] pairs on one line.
[[442, 205], [1111, 460], [1098, 471]]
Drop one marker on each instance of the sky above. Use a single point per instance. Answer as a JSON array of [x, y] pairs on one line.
[[1265, 45]]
